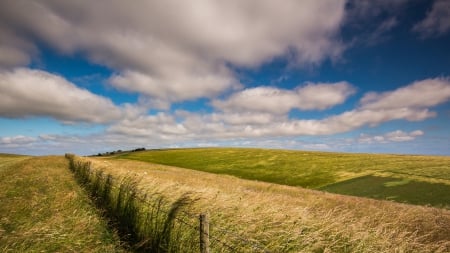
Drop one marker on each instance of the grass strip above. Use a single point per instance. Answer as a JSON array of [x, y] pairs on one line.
[[43, 209], [148, 222]]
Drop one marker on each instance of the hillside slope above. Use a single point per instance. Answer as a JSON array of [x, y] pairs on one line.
[[43, 209], [291, 219], [423, 180]]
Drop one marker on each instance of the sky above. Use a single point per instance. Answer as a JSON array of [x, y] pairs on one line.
[[332, 75]]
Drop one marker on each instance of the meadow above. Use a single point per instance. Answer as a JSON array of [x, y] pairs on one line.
[[367, 175], [43, 209], [109, 204], [255, 216]]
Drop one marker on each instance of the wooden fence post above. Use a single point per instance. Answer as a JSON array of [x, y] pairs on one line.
[[204, 233]]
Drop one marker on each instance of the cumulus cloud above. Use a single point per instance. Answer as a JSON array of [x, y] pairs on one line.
[[280, 101], [237, 120], [174, 50], [156, 127], [18, 140], [437, 20], [420, 94], [395, 136], [25, 92], [183, 86]]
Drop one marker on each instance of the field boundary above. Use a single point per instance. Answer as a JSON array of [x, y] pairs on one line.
[[140, 217]]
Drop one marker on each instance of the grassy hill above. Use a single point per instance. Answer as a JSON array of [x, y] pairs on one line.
[[252, 216], [43, 209], [416, 179]]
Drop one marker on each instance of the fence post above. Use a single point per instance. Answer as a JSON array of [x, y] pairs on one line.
[[204, 233]]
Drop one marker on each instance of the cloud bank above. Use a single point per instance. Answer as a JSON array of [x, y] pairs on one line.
[[239, 118], [26, 93], [172, 50], [281, 101]]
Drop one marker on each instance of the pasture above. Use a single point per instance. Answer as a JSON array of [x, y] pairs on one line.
[[334, 172], [255, 216], [43, 209]]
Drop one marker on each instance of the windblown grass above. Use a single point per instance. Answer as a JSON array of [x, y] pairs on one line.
[[250, 216], [146, 220], [42, 209]]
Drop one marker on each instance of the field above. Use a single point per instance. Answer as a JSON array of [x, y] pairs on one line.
[[44, 210], [368, 175], [251, 216]]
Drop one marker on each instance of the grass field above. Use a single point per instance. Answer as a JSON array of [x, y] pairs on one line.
[[400, 190], [334, 172], [43, 209], [251, 216]]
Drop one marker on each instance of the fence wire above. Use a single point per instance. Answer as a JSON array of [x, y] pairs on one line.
[[223, 233]]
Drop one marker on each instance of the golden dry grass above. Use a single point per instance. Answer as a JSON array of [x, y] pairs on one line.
[[292, 219], [43, 209]]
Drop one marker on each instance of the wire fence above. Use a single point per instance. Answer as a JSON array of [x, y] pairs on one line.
[[221, 239]]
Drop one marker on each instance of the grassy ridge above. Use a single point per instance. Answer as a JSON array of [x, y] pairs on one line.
[[251, 216], [43, 209], [146, 220], [312, 169], [295, 168]]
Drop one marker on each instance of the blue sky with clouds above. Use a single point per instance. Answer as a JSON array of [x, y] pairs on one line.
[[332, 75]]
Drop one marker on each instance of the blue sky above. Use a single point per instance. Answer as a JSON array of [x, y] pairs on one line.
[[331, 75]]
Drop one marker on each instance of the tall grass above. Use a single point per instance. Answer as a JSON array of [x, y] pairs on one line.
[[250, 216], [147, 222], [43, 209]]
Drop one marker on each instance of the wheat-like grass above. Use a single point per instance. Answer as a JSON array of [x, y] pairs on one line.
[[292, 219], [43, 210]]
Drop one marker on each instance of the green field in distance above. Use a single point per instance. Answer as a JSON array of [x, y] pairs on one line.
[[342, 173]]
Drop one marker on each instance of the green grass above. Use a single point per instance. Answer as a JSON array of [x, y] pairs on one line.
[[44, 210], [251, 216], [314, 170], [414, 192]]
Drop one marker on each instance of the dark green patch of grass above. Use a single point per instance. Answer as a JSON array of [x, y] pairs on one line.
[[408, 191]]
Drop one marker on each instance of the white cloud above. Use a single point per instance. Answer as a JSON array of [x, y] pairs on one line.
[[183, 86], [25, 92], [420, 94], [18, 140], [237, 120], [174, 50], [437, 21], [154, 127], [280, 101], [400, 136], [395, 136]]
